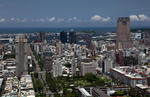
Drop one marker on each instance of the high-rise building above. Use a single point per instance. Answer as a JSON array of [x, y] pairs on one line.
[[57, 68], [63, 37], [47, 59], [72, 37], [21, 55], [123, 33], [107, 65], [42, 36], [146, 39], [59, 48]]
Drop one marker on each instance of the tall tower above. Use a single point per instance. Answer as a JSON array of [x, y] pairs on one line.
[[123, 33], [72, 37], [63, 37], [21, 55], [42, 36]]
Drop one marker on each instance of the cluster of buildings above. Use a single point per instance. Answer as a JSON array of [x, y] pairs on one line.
[[124, 56], [15, 80]]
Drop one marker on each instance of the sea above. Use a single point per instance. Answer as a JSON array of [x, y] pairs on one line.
[[55, 30]]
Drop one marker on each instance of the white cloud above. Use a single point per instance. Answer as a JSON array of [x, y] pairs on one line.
[[12, 19], [75, 18], [41, 20], [52, 19], [106, 19], [134, 18], [99, 18], [60, 20], [2, 20], [143, 17], [96, 18], [72, 19], [140, 17], [19, 20], [24, 20]]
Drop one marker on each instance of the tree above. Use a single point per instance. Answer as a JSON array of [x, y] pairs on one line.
[[132, 92], [51, 83], [34, 65], [119, 93], [57, 95], [67, 65], [90, 77], [41, 95], [39, 85], [8, 56], [100, 82], [36, 75]]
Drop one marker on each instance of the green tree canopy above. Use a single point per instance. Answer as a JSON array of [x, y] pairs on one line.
[[90, 77], [67, 65]]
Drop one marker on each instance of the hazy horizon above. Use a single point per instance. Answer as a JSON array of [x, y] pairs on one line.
[[72, 13]]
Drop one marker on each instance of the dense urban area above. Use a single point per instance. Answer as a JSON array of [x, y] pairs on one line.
[[76, 64]]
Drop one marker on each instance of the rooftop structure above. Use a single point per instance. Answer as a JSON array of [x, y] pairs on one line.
[[84, 93], [131, 75]]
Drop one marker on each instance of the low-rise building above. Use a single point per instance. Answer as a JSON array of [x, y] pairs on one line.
[[87, 66], [131, 75], [83, 93]]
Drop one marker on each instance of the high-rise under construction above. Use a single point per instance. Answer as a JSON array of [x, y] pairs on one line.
[[21, 55]]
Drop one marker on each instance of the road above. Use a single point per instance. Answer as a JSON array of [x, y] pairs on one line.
[[42, 77]]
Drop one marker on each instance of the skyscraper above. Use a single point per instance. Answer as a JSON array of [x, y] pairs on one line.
[[42, 36], [123, 33], [72, 37], [21, 55], [63, 37]]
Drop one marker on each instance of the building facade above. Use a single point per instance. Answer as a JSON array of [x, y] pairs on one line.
[[72, 37], [63, 37], [87, 66], [123, 33], [21, 55]]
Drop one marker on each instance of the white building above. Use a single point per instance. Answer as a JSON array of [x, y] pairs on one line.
[[108, 64], [129, 75], [87, 66], [57, 68]]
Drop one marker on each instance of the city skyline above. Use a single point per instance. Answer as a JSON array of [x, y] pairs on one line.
[[68, 13]]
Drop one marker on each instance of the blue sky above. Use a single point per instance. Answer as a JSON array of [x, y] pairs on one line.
[[72, 13]]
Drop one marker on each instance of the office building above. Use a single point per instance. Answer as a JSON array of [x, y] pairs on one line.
[[146, 39], [42, 36], [63, 37], [21, 55], [123, 33], [87, 66], [72, 37], [107, 65]]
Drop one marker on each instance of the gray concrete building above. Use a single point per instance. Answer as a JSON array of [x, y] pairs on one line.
[[123, 33], [21, 55]]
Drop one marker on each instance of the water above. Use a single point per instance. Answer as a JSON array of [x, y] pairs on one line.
[[54, 30]]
